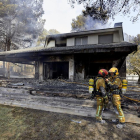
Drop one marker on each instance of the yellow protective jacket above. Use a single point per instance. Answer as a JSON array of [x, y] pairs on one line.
[[115, 84], [100, 87], [100, 82]]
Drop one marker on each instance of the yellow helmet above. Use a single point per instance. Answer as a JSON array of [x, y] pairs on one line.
[[114, 70]]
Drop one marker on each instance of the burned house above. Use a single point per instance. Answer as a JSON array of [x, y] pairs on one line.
[[76, 55]]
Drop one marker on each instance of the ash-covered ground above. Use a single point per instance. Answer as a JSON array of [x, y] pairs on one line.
[[66, 88]]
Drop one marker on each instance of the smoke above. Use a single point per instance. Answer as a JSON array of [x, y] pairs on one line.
[[91, 24], [128, 38], [21, 21]]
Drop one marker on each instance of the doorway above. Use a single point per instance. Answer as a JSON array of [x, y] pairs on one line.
[[54, 70]]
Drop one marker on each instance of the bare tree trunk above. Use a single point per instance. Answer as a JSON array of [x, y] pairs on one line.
[[8, 44]]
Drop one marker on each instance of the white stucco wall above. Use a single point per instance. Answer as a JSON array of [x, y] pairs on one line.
[[93, 39], [121, 35], [70, 41], [51, 44], [71, 68], [116, 37]]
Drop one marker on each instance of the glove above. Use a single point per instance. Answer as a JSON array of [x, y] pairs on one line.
[[106, 100]]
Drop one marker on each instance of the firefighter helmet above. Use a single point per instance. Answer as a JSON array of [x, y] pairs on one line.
[[114, 70], [103, 72]]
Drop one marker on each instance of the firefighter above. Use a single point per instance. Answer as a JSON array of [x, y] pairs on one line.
[[101, 94], [115, 85]]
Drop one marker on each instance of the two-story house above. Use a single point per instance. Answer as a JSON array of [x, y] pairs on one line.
[[76, 55]]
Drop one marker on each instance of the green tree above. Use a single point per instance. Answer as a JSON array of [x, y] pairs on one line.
[[53, 31], [134, 63], [137, 39], [98, 8], [133, 60], [42, 37], [78, 24]]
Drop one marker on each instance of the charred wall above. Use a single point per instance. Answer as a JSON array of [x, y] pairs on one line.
[[121, 65], [88, 65], [79, 66], [57, 66]]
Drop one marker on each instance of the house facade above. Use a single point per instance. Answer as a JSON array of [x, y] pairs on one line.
[[76, 55]]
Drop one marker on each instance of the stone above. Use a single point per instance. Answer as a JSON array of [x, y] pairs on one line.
[[33, 92]]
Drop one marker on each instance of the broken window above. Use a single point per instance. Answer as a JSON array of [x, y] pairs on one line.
[[81, 41], [54, 70], [105, 39], [60, 42]]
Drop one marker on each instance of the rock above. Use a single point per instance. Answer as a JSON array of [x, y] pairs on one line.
[[120, 126], [33, 92]]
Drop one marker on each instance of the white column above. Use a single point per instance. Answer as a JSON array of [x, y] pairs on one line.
[[71, 68], [40, 70]]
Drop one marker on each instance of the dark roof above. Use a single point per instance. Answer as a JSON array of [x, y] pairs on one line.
[[64, 35], [129, 46], [33, 54]]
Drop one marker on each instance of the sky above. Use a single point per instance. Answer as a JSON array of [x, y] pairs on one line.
[[59, 15]]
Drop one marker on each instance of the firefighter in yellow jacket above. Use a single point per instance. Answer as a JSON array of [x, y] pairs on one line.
[[115, 85], [101, 94]]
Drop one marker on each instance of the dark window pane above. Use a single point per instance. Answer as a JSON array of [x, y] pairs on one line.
[[84, 40], [78, 41], [105, 39]]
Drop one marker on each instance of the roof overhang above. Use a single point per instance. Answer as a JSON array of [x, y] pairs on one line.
[[34, 54]]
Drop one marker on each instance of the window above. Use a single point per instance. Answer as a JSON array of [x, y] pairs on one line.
[[60, 42], [105, 39], [81, 41]]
